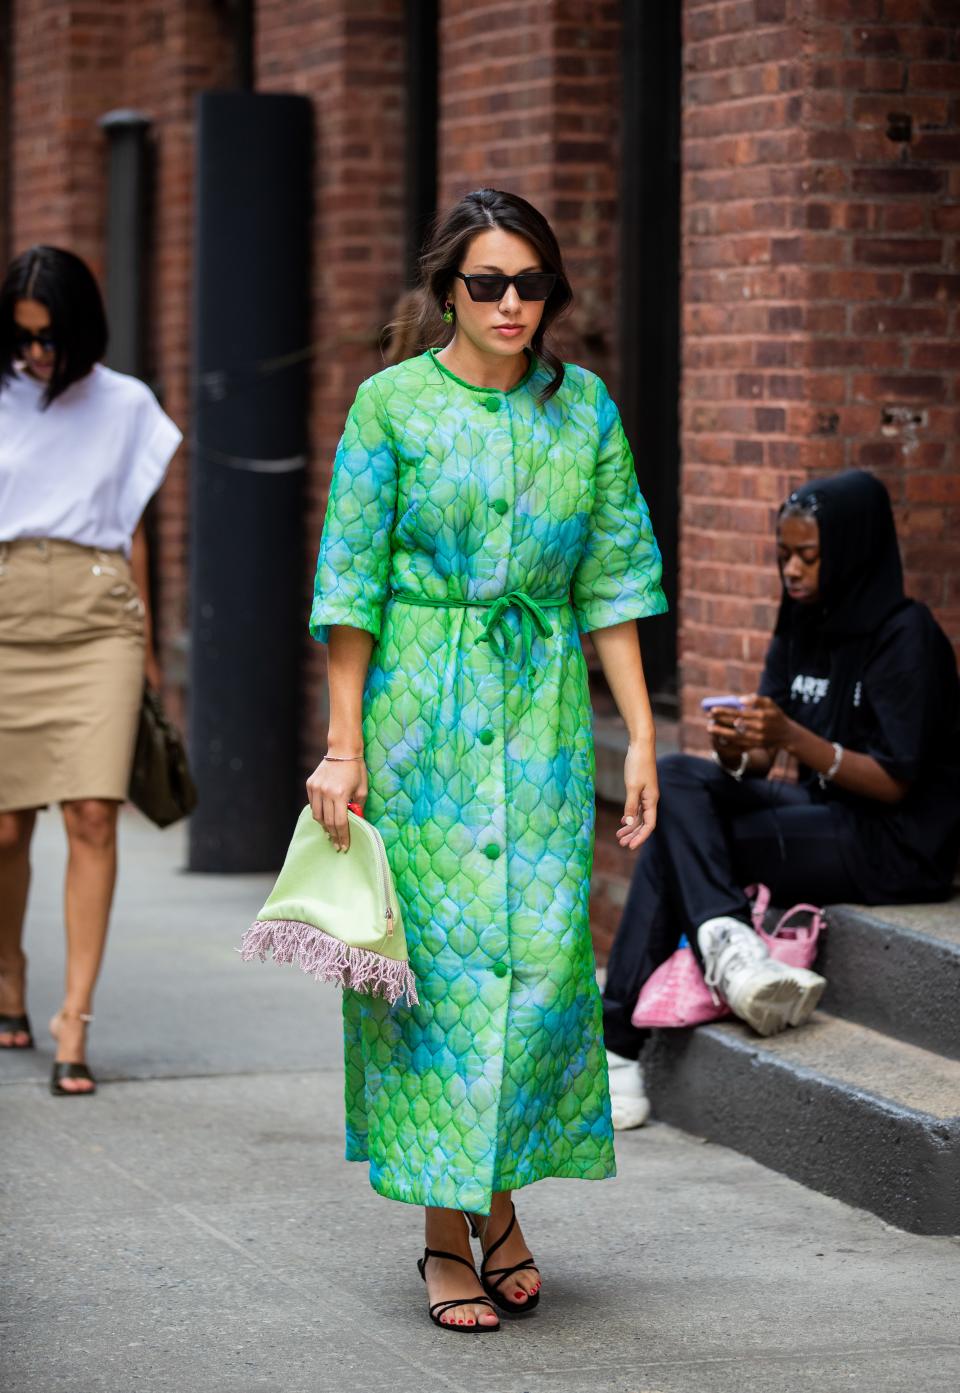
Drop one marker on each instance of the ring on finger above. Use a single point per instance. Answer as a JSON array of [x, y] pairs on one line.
[[739, 726]]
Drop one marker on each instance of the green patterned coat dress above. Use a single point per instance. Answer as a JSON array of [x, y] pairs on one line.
[[475, 533]]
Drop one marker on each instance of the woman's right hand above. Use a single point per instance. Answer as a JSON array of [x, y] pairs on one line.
[[330, 787], [725, 727]]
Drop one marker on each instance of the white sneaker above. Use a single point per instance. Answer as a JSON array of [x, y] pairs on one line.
[[629, 1104], [766, 994]]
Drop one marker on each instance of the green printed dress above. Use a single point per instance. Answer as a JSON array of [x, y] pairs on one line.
[[475, 533]]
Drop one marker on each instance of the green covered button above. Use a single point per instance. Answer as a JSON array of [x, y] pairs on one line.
[[500, 969], [491, 850], [492, 403], [500, 505], [486, 737]]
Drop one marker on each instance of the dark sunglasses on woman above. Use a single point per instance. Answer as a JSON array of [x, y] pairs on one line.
[[23, 340], [530, 285]]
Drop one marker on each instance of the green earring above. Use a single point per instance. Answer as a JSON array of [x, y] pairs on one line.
[[447, 315]]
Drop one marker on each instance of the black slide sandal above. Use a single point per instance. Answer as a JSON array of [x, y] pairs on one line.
[[16, 1025], [67, 1069], [62, 1070], [440, 1308]]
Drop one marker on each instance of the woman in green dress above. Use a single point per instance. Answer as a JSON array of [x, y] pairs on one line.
[[484, 511]]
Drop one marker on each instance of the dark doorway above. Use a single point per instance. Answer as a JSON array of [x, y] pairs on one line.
[[650, 304]]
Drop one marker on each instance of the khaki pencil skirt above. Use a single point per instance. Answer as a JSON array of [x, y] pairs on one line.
[[71, 673]]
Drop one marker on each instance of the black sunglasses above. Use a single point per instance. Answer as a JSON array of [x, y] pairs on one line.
[[530, 285], [24, 339]]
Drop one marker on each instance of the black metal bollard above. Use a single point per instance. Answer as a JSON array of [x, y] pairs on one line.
[[251, 362]]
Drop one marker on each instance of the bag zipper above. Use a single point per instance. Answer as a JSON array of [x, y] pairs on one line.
[[383, 869]]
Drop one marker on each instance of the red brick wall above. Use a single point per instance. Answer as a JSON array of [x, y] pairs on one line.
[[63, 62], [820, 297], [529, 102], [891, 368], [348, 57]]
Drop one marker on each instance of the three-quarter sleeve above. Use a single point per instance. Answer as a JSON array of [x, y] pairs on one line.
[[619, 573], [353, 567]]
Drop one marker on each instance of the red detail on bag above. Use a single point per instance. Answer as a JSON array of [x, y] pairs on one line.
[[355, 808], [675, 995]]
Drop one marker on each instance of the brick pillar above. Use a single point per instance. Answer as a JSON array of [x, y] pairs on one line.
[[821, 151], [529, 102], [348, 56]]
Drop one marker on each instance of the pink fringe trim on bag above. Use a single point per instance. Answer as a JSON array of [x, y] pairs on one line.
[[328, 960]]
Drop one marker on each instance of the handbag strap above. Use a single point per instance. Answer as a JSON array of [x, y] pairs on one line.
[[760, 897], [817, 920]]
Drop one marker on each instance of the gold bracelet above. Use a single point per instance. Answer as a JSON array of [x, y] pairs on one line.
[[341, 759]]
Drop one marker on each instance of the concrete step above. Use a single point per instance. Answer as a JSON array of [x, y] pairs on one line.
[[896, 969], [845, 1110]]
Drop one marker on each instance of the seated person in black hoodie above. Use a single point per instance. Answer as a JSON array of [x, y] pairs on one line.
[[860, 686]]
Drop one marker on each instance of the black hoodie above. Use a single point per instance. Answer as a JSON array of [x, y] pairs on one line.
[[872, 669]]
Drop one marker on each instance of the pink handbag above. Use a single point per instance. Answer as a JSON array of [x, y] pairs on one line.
[[675, 994]]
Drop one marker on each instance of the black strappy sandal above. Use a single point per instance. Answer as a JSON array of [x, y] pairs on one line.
[[63, 1069], [440, 1308], [500, 1274], [16, 1025]]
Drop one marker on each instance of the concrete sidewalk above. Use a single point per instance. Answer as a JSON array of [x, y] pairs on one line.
[[194, 1227]]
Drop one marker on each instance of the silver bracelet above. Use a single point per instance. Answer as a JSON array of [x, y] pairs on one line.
[[837, 761], [341, 759], [741, 768]]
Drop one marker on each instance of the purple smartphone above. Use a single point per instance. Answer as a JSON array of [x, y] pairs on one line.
[[710, 702]]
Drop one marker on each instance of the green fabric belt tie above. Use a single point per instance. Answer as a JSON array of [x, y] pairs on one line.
[[530, 611]]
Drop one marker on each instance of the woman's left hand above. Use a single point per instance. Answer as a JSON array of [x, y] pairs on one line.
[[761, 722], [151, 670], [643, 795]]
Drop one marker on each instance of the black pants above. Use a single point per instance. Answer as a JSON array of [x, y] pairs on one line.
[[714, 836]]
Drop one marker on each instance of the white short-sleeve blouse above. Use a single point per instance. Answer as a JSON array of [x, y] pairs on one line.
[[83, 469]]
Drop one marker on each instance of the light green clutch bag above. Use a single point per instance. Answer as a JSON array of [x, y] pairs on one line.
[[336, 913]]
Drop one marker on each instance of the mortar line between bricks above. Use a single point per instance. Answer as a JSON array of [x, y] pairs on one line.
[[363, 1332], [759, 1357]]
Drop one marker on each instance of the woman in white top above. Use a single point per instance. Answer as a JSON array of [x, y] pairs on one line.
[[82, 450]]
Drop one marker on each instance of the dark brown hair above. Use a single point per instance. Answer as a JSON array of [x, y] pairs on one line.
[[419, 325], [66, 286]]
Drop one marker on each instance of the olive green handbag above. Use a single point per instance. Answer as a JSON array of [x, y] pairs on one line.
[[160, 782], [336, 913]]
